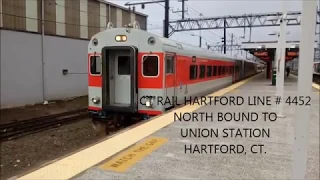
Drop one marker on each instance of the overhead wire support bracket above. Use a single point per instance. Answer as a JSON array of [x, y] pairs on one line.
[[236, 21]]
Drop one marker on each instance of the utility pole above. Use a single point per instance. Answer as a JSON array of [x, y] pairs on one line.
[[232, 35], [318, 52], [280, 63], [183, 8], [166, 19], [200, 36], [166, 13], [224, 36]]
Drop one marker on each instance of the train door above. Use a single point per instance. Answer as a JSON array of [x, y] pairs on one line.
[[120, 79], [170, 75]]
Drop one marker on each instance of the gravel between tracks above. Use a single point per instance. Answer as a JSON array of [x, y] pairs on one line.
[[26, 153], [23, 154]]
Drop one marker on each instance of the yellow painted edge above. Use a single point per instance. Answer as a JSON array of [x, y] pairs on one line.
[[314, 85], [128, 158], [76, 163]]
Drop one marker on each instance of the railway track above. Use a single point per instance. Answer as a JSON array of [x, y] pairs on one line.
[[22, 128]]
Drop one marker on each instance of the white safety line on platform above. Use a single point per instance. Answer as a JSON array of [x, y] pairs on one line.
[[74, 164]]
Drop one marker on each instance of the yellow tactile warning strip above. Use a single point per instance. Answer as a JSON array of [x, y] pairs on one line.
[[235, 91], [131, 156], [76, 163]]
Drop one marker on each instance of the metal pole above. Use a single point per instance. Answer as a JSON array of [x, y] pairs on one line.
[[166, 19], [318, 34], [1, 18], [183, 9], [225, 36], [200, 34], [231, 42], [301, 139], [42, 54], [109, 13], [200, 39], [282, 59], [276, 63], [250, 34]]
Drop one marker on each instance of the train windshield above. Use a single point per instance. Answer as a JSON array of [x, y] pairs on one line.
[[95, 65]]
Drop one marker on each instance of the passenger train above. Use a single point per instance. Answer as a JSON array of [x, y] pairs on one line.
[[131, 69]]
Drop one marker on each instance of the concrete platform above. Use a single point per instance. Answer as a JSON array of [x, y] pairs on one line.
[[163, 156]]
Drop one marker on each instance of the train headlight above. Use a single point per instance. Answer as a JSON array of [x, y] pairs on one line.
[[121, 38], [95, 100], [149, 102]]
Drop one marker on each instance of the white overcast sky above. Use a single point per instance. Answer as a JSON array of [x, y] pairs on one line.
[[210, 8]]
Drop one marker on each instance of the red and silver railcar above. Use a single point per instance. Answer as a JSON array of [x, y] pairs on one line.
[[134, 71]]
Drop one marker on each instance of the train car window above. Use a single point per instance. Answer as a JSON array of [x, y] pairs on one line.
[[169, 64], [95, 65], [150, 66], [193, 72], [209, 71], [202, 71], [124, 65], [214, 71], [219, 71]]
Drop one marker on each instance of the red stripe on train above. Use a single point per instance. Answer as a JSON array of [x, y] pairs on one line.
[[94, 108], [182, 73]]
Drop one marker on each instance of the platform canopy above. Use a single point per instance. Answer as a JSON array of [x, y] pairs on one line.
[[265, 50]]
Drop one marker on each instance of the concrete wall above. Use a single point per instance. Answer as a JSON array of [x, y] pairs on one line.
[[70, 18], [21, 68]]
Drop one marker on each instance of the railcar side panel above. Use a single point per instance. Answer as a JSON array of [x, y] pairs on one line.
[[150, 81], [195, 78], [94, 82]]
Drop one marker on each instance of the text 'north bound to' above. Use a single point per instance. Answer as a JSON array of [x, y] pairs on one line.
[[224, 116]]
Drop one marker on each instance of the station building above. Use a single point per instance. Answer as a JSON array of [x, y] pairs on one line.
[[48, 61]]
